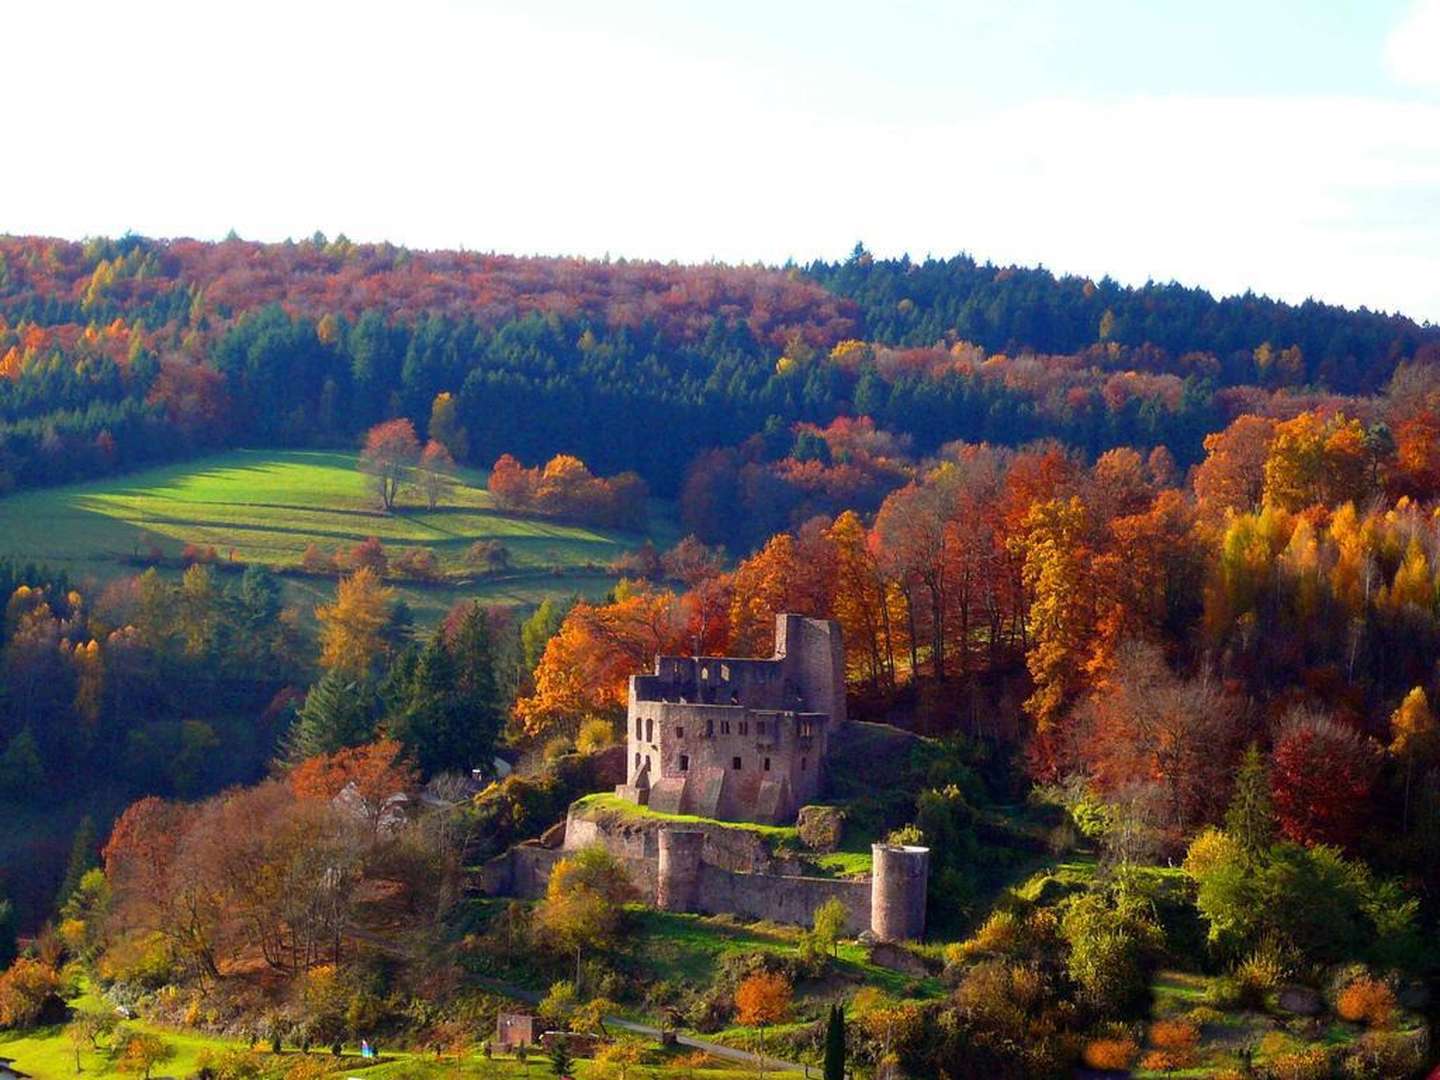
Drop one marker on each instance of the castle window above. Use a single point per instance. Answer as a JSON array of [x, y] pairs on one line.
[[679, 733], [725, 672], [767, 764], [710, 728], [684, 762], [637, 727], [724, 727], [637, 761], [759, 727], [704, 673], [735, 763], [744, 727], [649, 729]]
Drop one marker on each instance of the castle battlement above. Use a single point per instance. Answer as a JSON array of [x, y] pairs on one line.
[[738, 739]]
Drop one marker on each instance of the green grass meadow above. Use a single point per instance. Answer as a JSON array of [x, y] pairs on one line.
[[46, 1054], [266, 506]]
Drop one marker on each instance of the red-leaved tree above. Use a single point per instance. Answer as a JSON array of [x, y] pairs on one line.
[[1321, 775]]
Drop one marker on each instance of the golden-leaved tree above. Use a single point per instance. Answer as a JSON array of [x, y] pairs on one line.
[[352, 628]]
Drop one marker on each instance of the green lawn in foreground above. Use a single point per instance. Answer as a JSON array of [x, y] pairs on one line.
[[267, 505]]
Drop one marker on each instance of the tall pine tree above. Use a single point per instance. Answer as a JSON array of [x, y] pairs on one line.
[[442, 700], [82, 858], [1250, 819], [339, 711], [835, 1043]]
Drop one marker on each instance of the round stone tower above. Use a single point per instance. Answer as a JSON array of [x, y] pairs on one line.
[[898, 880], [677, 885]]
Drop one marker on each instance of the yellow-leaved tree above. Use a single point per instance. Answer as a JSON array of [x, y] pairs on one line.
[[1414, 738], [352, 628], [1062, 605]]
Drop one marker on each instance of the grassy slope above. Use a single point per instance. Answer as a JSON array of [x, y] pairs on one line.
[[267, 505], [45, 1053], [853, 858]]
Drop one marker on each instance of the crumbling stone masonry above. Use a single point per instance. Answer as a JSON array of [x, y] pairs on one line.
[[737, 739], [672, 867], [732, 740]]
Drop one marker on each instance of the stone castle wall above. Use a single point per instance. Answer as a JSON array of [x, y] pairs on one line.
[[712, 870], [524, 871], [780, 899], [738, 850]]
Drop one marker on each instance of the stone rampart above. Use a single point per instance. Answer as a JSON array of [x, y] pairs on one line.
[[780, 899]]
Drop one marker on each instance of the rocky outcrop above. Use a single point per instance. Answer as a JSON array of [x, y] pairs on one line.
[[821, 827]]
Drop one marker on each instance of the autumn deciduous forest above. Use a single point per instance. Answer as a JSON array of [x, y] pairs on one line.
[[1165, 562]]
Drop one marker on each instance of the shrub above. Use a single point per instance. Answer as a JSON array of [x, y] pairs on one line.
[[1174, 1035], [1368, 1001], [1262, 972], [596, 733], [1091, 817], [906, 836], [417, 562], [1311, 1064], [1113, 945], [25, 989], [1164, 1061], [488, 554], [1382, 1056], [559, 1005], [370, 553], [1111, 1055], [1174, 1042], [1211, 849], [1225, 993], [999, 933], [316, 561], [195, 553], [557, 748]]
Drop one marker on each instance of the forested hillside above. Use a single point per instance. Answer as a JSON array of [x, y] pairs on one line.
[[1150, 580], [118, 352]]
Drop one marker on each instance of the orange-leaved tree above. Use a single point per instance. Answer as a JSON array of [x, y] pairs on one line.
[[587, 665], [436, 472], [390, 452], [376, 770], [762, 999]]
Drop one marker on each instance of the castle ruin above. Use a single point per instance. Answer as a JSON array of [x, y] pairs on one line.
[[732, 739], [737, 739]]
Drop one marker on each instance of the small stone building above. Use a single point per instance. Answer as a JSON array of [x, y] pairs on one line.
[[516, 1029], [738, 739]]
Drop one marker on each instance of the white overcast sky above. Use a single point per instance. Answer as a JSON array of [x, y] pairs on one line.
[[1290, 146]]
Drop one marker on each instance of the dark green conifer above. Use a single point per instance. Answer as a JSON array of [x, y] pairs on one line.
[[1250, 819], [82, 858], [835, 1044]]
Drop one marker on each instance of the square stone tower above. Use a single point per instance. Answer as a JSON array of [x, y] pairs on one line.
[[738, 739]]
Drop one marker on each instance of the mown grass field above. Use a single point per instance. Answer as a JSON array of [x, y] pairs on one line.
[[266, 506]]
